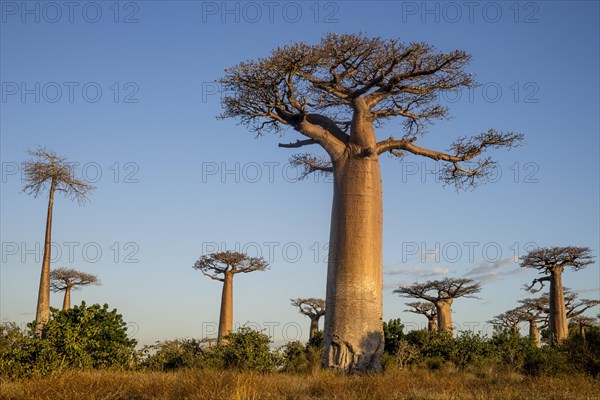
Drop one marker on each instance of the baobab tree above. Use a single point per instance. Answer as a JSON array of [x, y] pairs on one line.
[[551, 262], [428, 310], [581, 322], [65, 279], [47, 170], [313, 309], [508, 320], [535, 312], [574, 306], [441, 293], [222, 267], [334, 95]]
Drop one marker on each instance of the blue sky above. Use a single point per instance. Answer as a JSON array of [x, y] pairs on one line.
[[128, 93]]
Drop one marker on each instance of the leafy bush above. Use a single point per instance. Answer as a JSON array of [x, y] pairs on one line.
[[174, 354], [247, 350], [392, 334], [82, 337]]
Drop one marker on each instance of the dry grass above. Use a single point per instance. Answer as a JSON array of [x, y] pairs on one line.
[[203, 385]]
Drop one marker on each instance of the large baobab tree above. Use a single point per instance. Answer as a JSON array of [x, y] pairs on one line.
[[222, 266], [334, 95], [441, 293], [65, 279], [508, 320], [47, 170], [313, 309], [551, 262], [428, 310]]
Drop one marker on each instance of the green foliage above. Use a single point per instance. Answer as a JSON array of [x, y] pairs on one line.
[[82, 337], [247, 350], [295, 357], [392, 334], [316, 341], [173, 354]]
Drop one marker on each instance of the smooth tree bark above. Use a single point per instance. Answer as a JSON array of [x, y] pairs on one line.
[[428, 310], [314, 309], [551, 262], [64, 279], [335, 94], [441, 293], [222, 266], [47, 170]]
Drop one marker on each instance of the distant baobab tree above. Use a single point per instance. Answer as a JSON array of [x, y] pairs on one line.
[[575, 306], [335, 95], [442, 294], [428, 310], [65, 279], [581, 322], [551, 262], [222, 266], [535, 312], [313, 309], [509, 320], [46, 170]]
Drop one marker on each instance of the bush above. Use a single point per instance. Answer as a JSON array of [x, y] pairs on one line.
[[392, 334], [174, 354], [247, 350], [82, 337]]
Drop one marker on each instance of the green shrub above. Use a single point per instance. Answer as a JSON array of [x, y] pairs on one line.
[[82, 337], [174, 354], [392, 334], [246, 350]]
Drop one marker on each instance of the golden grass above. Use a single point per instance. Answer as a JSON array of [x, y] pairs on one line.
[[205, 385]]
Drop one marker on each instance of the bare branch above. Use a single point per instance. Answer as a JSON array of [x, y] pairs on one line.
[[47, 169], [63, 278], [308, 164], [439, 290], [298, 143], [548, 259], [228, 262], [311, 307]]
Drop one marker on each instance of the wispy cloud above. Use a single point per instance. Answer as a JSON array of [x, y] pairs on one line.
[[417, 272], [494, 271]]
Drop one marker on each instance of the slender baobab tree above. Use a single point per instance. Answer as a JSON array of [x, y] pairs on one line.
[[65, 279], [46, 170], [551, 262], [313, 309], [508, 320], [581, 322], [535, 312], [442, 294], [222, 266], [334, 95], [428, 310]]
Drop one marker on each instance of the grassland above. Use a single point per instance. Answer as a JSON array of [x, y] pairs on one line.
[[204, 385]]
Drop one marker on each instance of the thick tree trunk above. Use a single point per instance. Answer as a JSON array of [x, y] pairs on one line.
[[314, 327], [226, 318], [558, 314], [444, 315], [67, 299], [534, 333], [353, 337], [431, 325], [42, 315]]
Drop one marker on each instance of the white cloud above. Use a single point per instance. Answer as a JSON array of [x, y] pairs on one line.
[[493, 271]]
